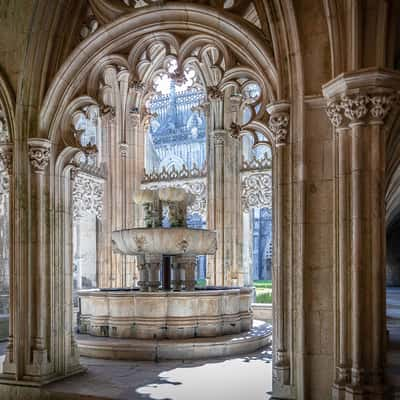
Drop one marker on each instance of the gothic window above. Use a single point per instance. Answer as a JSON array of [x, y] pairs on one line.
[[256, 180], [176, 142]]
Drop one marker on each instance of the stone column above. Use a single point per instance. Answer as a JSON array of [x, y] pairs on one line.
[[187, 263], [177, 274], [143, 274], [278, 124], [153, 266], [39, 155], [359, 103]]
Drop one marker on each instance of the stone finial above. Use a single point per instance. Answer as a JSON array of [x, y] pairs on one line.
[[278, 122], [39, 154]]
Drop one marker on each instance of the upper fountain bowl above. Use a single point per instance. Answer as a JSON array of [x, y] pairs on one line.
[[164, 241]]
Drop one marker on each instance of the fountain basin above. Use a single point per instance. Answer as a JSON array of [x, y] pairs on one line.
[[165, 315], [165, 241]]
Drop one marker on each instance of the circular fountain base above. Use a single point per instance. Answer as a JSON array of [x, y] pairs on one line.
[[185, 349], [209, 312]]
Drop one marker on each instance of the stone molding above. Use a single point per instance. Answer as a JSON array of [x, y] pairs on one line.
[[87, 195], [39, 154], [278, 122]]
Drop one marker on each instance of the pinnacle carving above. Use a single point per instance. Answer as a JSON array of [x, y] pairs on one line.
[[358, 108], [39, 155]]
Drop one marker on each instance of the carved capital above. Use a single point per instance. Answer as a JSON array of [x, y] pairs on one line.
[[39, 154], [6, 158], [278, 122], [364, 96], [134, 116], [235, 130], [219, 137], [361, 108]]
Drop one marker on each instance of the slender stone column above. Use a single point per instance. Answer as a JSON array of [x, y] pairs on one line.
[[188, 265], [177, 274], [358, 106], [278, 124], [39, 155], [153, 265]]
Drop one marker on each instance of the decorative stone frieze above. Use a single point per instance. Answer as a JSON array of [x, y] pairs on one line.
[[87, 195], [173, 174], [361, 108], [39, 154], [257, 191], [278, 122], [257, 164]]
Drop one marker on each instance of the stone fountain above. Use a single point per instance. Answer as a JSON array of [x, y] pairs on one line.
[[171, 309]]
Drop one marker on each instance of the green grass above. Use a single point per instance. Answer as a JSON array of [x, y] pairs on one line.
[[265, 298], [263, 291], [263, 284], [201, 282]]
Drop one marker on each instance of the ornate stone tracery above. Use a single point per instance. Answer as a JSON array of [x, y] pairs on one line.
[[257, 190], [4, 130], [87, 195]]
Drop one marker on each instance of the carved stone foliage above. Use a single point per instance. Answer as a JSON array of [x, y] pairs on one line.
[[4, 131], [39, 155], [90, 25], [4, 191], [360, 107], [257, 191], [197, 187], [6, 159], [278, 122], [87, 195]]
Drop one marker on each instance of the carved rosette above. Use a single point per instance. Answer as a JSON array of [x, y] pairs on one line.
[[278, 122], [87, 195], [257, 191], [356, 108], [39, 155]]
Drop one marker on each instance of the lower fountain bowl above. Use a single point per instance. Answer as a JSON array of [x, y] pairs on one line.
[[209, 312]]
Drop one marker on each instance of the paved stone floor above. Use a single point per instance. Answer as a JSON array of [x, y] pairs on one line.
[[237, 378]]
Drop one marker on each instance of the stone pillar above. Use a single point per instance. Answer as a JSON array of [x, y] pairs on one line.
[[359, 103], [187, 263], [278, 124], [143, 274], [153, 266], [177, 274]]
